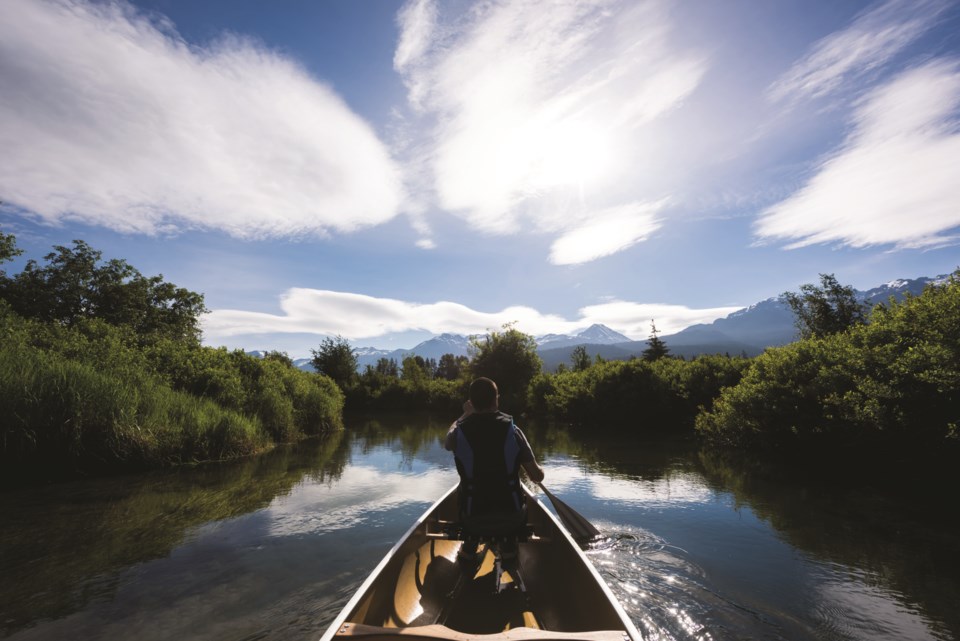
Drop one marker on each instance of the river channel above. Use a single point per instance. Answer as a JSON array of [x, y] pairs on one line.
[[695, 546]]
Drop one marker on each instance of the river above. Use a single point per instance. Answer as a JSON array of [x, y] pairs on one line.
[[695, 547]]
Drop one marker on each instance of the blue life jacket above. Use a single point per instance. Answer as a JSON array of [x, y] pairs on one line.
[[487, 454]]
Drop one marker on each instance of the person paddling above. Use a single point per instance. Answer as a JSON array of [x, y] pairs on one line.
[[489, 450]]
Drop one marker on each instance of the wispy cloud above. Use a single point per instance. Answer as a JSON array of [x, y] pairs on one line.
[[107, 116], [359, 316], [606, 233], [875, 37], [533, 109], [895, 179]]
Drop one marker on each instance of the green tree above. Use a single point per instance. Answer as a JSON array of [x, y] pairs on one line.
[[414, 370], [387, 367], [451, 367], [580, 358], [892, 383], [336, 359], [824, 310], [656, 348], [8, 248], [74, 285], [280, 357], [510, 359]]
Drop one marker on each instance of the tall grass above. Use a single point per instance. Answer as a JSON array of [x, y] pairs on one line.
[[56, 408]]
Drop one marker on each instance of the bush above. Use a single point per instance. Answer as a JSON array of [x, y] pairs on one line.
[[666, 393], [63, 410], [91, 395], [894, 383]]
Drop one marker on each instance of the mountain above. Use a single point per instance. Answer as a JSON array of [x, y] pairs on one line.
[[594, 335], [435, 347], [746, 331], [770, 322]]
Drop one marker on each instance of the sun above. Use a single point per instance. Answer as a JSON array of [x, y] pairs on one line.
[[569, 153]]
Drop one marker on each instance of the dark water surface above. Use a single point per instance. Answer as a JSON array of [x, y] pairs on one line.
[[696, 547]]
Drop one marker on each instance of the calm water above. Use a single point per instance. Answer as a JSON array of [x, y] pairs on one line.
[[271, 548]]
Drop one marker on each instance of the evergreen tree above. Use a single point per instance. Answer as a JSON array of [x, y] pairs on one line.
[[656, 348], [387, 367], [580, 358]]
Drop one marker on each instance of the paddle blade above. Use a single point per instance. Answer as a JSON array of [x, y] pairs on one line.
[[580, 528]]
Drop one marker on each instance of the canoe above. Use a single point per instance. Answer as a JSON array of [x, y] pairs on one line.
[[421, 591]]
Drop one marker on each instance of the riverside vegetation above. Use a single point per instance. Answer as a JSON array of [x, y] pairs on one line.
[[101, 366]]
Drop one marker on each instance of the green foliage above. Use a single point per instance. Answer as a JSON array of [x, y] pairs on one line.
[[74, 285], [825, 310], [94, 394], [8, 249], [387, 367], [656, 348], [280, 357], [419, 386], [579, 358], [509, 358], [76, 412], [665, 394], [894, 382], [336, 359], [452, 367]]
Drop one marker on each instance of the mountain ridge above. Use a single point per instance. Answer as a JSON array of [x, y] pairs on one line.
[[747, 331]]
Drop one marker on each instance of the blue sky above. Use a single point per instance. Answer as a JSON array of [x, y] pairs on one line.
[[390, 170]]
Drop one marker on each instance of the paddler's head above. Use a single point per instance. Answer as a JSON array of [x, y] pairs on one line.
[[484, 395]]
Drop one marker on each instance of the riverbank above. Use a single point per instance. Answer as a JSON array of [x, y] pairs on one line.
[[94, 398]]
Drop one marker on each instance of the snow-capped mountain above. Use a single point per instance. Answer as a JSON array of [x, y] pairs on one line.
[[749, 330], [770, 322], [594, 335]]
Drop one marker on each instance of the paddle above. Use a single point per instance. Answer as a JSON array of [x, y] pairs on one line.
[[580, 528]]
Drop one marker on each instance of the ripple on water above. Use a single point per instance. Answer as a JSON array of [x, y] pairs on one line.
[[666, 594]]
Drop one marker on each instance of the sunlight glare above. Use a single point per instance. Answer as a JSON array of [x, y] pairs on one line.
[[568, 153]]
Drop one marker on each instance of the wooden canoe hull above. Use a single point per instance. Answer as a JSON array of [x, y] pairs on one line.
[[419, 590]]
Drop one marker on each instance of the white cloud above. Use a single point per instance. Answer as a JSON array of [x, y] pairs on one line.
[[608, 232], [633, 319], [417, 21], [875, 37], [110, 118], [534, 108], [358, 316], [895, 180]]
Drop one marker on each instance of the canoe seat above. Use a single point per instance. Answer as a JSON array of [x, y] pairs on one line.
[[500, 534], [442, 632]]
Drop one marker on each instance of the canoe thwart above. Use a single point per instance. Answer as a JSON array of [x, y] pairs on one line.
[[443, 633], [455, 531]]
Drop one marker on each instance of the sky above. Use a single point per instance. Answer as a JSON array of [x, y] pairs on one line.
[[387, 170]]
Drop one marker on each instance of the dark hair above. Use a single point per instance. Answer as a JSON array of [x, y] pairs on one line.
[[483, 394]]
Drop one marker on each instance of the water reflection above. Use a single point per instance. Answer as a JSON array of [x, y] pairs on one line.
[[697, 546], [60, 545]]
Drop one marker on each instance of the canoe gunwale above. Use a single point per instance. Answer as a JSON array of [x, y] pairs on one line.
[[365, 586], [443, 633], [340, 627]]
